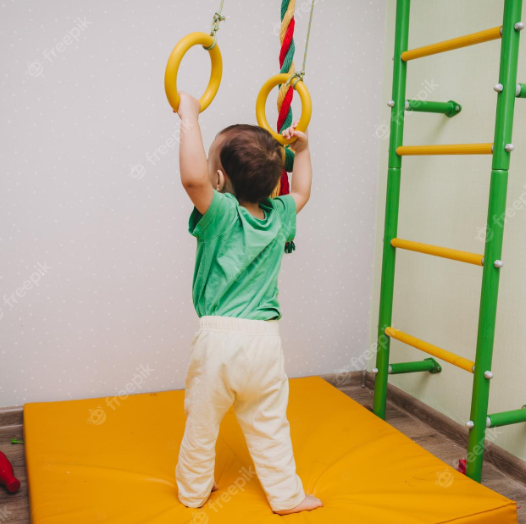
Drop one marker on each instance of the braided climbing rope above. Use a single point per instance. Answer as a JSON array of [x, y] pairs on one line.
[[286, 63]]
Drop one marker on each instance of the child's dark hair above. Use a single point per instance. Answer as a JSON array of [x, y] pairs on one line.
[[252, 159]]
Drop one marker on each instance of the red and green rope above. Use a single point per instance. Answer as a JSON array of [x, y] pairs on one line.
[[286, 93]]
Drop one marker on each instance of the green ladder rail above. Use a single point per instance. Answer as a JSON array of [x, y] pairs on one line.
[[508, 90]]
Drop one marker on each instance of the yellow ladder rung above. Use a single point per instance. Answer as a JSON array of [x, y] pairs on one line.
[[446, 149], [454, 43], [444, 252], [426, 347]]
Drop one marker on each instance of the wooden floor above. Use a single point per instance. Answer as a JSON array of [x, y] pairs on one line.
[[14, 509]]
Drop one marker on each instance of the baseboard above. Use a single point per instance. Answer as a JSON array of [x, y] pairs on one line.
[[501, 459], [344, 379], [11, 416]]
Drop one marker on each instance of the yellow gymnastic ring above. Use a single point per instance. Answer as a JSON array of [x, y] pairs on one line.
[[172, 68], [306, 104]]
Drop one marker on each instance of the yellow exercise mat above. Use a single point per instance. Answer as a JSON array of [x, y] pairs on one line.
[[112, 461]]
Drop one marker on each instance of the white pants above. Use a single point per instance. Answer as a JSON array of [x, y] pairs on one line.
[[239, 362]]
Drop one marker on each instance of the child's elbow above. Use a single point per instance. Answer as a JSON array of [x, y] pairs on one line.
[[193, 182], [301, 200]]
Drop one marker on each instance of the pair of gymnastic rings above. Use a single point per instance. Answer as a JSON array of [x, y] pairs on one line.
[[209, 43]]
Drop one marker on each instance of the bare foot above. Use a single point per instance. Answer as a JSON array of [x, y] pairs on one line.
[[309, 503], [214, 487]]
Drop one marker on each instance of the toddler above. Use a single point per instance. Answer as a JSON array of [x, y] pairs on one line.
[[236, 357]]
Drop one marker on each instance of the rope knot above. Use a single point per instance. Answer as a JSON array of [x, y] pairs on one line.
[[298, 76], [218, 17]]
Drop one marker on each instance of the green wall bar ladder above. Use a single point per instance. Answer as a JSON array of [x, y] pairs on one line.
[[508, 90]]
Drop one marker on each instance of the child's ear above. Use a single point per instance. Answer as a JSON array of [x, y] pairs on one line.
[[220, 181]]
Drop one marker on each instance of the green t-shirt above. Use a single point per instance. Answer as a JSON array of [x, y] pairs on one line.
[[239, 256]]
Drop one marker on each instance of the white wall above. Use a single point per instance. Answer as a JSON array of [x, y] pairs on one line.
[[78, 195], [444, 202]]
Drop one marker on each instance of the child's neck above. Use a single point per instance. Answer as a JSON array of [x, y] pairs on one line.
[[254, 209]]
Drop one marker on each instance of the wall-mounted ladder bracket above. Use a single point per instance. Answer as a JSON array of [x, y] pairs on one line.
[[449, 109]]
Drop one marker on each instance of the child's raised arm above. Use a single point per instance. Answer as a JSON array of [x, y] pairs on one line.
[[193, 164], [302, 171]]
